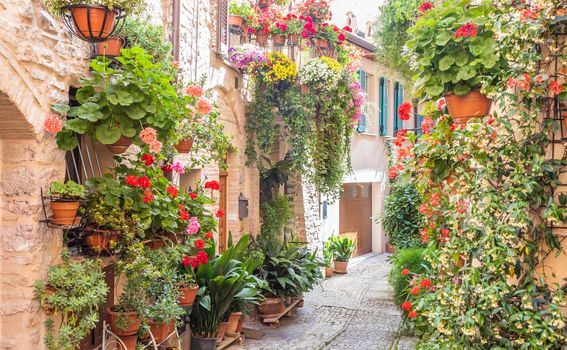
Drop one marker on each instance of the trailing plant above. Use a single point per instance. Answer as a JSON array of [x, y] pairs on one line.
[[74, 292], [129, 6], [342, 248], [401, 219], [321, 73], [67, 190], [276, 215], [273, 178]]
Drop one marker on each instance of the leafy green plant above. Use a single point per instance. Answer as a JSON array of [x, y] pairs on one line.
[[75, 292], [121, 102], [271, 179], [130, 6], [412, 260], [276, 215], [453, 50], [342, 247], [141, 33], [328, 253], [401, 219], [67, 190], [241, 9]]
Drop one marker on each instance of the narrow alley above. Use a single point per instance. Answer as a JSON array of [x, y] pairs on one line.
[[353, 311]]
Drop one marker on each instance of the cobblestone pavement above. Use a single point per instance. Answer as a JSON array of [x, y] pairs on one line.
[[353, 311]]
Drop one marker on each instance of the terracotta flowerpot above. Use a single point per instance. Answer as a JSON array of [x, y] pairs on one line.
[[99, 240], [261, 38], [130, 341], [93, 22], [328, 272], [110, 47], [133, 322], [120, 146], [292, 39], [184, 146], [161, 331], [235, 21], [463, 108], [222, 331], [156, 244], [187, 295], [203, 343], [64, 212], [233, 323], [341, 267], [390, 248], [240, 325], [321, 43], [270, 307], [279, 40]]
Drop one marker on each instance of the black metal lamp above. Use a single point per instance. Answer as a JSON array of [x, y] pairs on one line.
[[242, 206]]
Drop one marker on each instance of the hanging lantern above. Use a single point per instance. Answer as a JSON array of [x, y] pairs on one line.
[[93, 23]]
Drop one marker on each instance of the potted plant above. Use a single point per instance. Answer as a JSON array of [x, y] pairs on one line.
[[278, 31], [65, 202], [105, 223], [320, 74], [453, 49], [246, 57], [186, 284], [294, 28], [74, 292], [110, 47], [328, 258], [93, 20], [343, 248], [238, 13]]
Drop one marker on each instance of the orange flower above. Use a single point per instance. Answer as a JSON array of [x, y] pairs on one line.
[[204, 106], [53, 124], [148, 135], [194, 90]]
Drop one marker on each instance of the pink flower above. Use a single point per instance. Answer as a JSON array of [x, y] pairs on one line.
[[178, 168], [194, 90], [441, 103], [148, 135], [156, 146], [193, 226], [426, 125], [204, 106], [53, 124]]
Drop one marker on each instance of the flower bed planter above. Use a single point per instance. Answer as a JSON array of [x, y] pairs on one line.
[[120, 146], [184, 146], [463, 108], [110, 47], [93, 23], [261, 38]]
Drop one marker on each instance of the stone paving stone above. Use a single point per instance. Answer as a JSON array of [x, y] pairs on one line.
[[353, 311]]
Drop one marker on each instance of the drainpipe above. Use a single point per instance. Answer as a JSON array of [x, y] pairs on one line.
[[176, 12]]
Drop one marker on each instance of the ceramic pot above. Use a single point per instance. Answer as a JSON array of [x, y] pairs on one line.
[[110, 47], [203, 344], [184, 146], [271, 307], [328, 272], [132, 318], [161, 331], [463, 108], [279, 40], [240, 325], [120, 146], [187, 295], [93, 22], [341, 266], [233, 323], [222, 331], [64, 212]]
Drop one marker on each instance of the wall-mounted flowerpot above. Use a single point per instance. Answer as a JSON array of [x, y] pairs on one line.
[[271, 307], [110, 47], [64, 211], [341, 266], [93, 22], [187, 295], [161, 331], [184, 146], [123, 323], [292, 39], [233, 323], [203, 343], [321, 43], [463, 108], [222, 331], [261, 38], [278, 40], [328, 272], [120, 146], [235, 21]]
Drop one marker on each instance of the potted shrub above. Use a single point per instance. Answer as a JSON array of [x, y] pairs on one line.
[[105, 223], [453, 49], [186, 284], [65, 202], [343, 248], [74, 292], [93, 20], [328, 258], [238, 13]]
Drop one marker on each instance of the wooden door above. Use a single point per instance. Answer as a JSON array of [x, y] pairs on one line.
[[223, 195], [355, 211]]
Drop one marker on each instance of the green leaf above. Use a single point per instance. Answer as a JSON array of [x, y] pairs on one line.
[[60, 108], [446, 62], [135, 112], [83, 94], [107, 133], [120, 97], [461, 89], [443, 38], [466, 73], [77, 125], [90, 111], [66, 140]]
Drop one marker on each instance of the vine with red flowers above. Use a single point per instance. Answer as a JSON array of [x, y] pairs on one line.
[[488, 185]]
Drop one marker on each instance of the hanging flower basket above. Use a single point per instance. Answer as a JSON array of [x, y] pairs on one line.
[[279, 40], [265, 3], [321, 43], [261, 38], [184, 146], [472, 105], [93, 23], [110, 47], [120, 146]]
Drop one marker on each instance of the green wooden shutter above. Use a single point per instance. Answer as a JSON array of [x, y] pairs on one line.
[[363, 78], [398, 100], [383, 97]]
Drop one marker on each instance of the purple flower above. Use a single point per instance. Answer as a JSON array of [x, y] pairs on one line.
[[244, 56]]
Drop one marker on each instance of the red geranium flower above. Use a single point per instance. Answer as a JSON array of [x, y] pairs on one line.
[[405, 272], [213, 185], [144, 182], [404, 111], [132, 180], [219, 214], [172, 190], [203, 257], [148, 196], [556, 87], [412, 314], [209, 235], [467, 30], [184, 215], [148, 159], [407, 305], [414, 291], [193, 195], [186, 260], [425, 283], [342, 37], [195, 262], [347, 29], [199, 244], [166, 168], [426, 6]]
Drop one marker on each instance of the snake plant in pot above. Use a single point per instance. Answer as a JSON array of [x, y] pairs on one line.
[[343, 248]]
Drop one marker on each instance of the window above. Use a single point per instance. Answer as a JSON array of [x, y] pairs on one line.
[[363, 78], [398, 100], [383, 105]]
